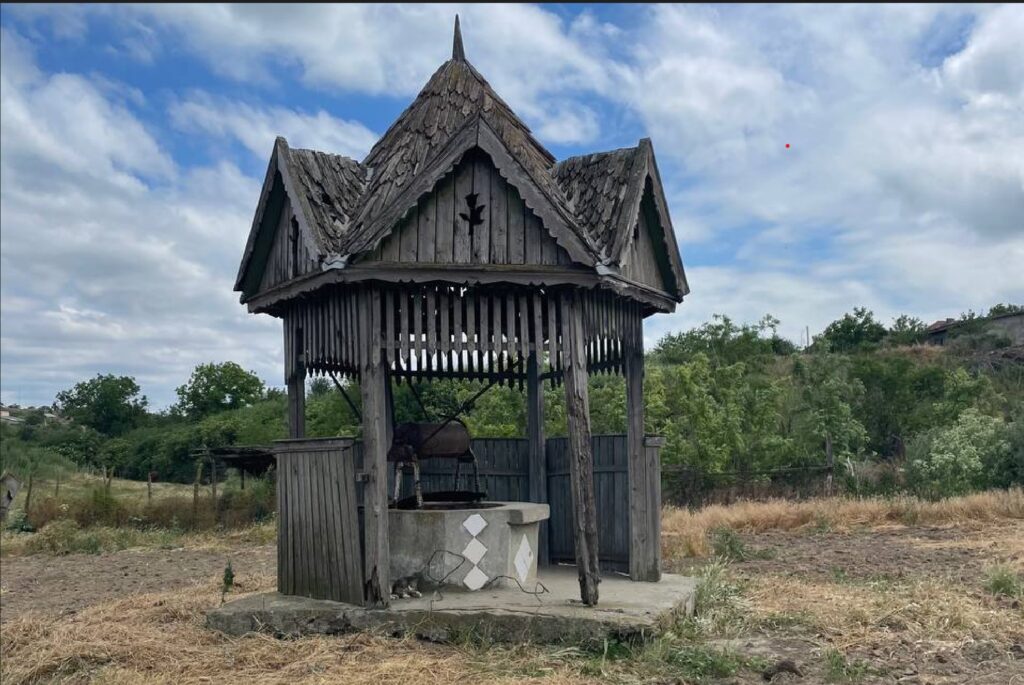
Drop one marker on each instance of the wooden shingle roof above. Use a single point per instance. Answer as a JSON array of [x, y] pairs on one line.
[[603, 190], [588, 203], [330, 188]]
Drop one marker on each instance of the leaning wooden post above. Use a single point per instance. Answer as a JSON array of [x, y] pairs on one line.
[[581, 456], [373, 381], [644, 476], [538, 474]]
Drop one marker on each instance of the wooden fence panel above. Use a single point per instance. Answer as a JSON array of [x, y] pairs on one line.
[[318, 528], [611, 489]]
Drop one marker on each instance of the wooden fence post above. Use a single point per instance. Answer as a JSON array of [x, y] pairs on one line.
[[195, 492], [581, 455]]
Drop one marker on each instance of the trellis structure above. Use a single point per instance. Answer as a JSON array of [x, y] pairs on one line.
[[459, 248]]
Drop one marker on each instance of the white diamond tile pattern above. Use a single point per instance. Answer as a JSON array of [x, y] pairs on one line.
[[523, 560], [474, 524], [475, 579], [474, 551]]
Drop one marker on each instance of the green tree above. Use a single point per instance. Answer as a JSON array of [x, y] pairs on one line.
[[723, 342], [854, 332], [319, 387], [1000, 309], [214, 388], [113, 455], [109, 404], [905, 330], [828, 394], [954, 460]]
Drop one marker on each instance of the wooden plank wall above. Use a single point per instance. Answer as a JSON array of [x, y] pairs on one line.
[[434, 232], [640, 262], [286, 260], [611, 484], [318, 553], [440, 330]]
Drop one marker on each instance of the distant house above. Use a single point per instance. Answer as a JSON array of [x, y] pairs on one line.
[[1009, 325]]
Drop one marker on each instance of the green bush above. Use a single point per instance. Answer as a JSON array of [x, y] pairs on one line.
[[959, 459]]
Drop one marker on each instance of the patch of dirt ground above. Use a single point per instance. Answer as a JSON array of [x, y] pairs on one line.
[[64, 585], [900, 604], [891, 604]]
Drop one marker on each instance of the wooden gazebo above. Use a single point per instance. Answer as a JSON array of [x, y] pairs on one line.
[[460, 248]]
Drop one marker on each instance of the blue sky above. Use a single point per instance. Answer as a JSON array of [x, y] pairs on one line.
[[134, 139]]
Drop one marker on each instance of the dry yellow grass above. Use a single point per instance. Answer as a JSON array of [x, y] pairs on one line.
[[685, 533], [160, 638], [923, 609]]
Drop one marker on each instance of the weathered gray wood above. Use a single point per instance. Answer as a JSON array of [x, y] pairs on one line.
[[296, 394], [390, 341], [417, 321], [426, 229], [372, 383], [473, 274], [482, 172], [431, 312], [516, 236], [538, 478], [318, 532], [499, 220], [581, 458], [534, 239], [462, 243], [510, 324], [644, 557], [445, 225]]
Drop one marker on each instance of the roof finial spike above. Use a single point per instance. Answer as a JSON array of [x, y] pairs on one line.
[[458, 54]]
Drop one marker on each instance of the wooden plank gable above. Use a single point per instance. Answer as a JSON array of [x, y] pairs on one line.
[[497, 228], [290, 254], [642, 261]]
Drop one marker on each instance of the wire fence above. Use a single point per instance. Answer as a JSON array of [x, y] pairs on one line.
[[686, 486]]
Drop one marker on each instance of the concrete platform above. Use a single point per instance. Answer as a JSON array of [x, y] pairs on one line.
[[626, 610]]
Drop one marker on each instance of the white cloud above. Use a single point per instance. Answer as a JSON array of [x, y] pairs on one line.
[[256, 127], [525, 51], [903, 189], [102, 268]]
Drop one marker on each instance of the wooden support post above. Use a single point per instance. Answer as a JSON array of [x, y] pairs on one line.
[[538, 456], [297, 406], [581, 456], [296, 385], [373, 381], [644, 479]]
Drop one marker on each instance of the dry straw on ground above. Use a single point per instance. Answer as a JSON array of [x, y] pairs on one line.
[[160, 638], [686, 533]]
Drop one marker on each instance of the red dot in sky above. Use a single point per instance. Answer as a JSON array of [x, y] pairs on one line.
[[787, 146]]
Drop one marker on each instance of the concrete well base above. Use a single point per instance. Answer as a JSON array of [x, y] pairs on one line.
[[626, 610]]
